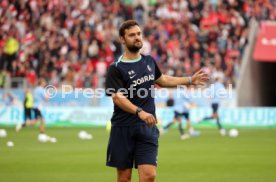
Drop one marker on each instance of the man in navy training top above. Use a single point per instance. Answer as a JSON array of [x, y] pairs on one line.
[[130, 79]]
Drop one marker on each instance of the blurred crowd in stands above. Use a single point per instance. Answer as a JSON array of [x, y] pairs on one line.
[[74, 41]]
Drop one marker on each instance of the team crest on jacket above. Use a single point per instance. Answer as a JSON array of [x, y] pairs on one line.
[[149, 68]]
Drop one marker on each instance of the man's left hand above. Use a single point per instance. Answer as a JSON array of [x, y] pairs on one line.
[[200, 78]]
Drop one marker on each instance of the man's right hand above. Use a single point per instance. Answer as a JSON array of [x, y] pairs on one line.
[[147, 118]]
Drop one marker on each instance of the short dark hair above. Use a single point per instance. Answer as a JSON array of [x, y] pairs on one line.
[[126, 25]]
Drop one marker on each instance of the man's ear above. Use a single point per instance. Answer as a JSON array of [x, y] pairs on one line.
[[122, 40]]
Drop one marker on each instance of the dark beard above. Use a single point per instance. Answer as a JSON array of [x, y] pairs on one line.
[[133, 48]]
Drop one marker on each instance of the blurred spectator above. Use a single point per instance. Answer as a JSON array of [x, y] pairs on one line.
[[74, 42], [2, 78]]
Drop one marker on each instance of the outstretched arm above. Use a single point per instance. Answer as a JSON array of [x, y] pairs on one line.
[[199, 78]]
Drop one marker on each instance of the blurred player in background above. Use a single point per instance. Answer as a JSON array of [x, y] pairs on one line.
[[8, 99], [217, 91], [36, 101], [39, 99], [28, 107], [182, 104]]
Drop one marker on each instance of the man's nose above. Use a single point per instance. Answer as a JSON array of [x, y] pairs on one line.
[[137, 37]]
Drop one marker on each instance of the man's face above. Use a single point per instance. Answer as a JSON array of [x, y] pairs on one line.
[[43, 83], [133, 39]]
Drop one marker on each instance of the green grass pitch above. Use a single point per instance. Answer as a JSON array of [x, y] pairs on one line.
[[210, 158]]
